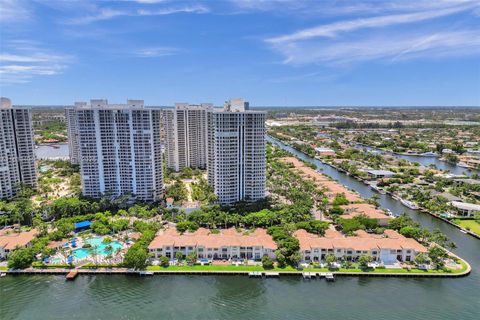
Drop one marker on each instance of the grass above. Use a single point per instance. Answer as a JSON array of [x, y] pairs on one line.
[[473, 225], [3, 268], [230, 268]]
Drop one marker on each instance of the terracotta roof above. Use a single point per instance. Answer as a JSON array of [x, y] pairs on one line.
[[204, 238], [363, 241], [355, 209], [11, 240], [330, 187]]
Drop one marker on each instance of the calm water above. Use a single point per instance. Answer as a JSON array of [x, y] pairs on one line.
[[222, 297], [48, 152]]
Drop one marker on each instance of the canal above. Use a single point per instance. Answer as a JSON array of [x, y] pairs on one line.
[[468, 247]]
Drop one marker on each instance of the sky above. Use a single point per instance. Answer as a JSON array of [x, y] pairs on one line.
[[271, 52]]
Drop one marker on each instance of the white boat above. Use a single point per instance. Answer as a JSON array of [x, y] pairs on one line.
[[3, 274], [409, 204], [463, 231], [390, 213], [396, 197], [429, 154], [463, 164]]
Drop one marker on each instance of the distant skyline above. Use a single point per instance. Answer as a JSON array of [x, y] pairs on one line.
[[272, 52]]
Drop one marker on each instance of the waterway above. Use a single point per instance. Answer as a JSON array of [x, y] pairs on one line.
[[237, 297], [426, 161], [49, 152]]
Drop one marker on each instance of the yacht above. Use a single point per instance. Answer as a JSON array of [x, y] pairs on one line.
[[409, 204], [462, 164], [429, 154]]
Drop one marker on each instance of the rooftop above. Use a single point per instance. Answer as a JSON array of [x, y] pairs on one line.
[[465, 205], [10, 239], [205, 238], [362, 241]]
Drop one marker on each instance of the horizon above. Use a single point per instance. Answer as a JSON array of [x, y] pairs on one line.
[[273, 52]]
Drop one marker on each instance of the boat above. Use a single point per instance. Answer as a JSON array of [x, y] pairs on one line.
[[378, 189], [3, 274], [463, 165], [429, 154], [463, 231], [145, 273], [396, 197], [390, 213], [409, 204]]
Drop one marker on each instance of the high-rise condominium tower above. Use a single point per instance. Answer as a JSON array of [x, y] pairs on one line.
[[186, 136], [17, 155], [73, 151], [119, 149], [236, 152]]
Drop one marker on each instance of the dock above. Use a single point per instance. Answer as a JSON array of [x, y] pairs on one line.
[[272, 274], [309, 275], [330, 277], [72, 275], [255, 274]]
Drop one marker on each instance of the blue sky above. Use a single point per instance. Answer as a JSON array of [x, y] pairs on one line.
[[272, 52]]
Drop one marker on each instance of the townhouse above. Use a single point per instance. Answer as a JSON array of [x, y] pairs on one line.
[[226, 244], [387, 248]]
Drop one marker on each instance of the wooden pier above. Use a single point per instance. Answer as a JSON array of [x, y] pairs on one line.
[[72, 275]]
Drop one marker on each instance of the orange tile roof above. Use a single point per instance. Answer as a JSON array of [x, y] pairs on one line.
[[363, 241], [355, 209], [204, 238], [11, 240], [330, 187]]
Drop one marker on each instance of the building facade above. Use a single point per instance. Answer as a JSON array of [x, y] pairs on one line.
[[186, 136], [236, 153], [119, 149], [17, 149], [388, 248], [71, 121]]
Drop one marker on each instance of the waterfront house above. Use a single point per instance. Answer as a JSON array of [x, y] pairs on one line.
[[378, 174], [465, 209], [387, 248], [226, 244], [356, 209], [325, 152], [11, 239]]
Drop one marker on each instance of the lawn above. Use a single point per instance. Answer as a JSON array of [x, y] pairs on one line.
[[230, 268], [472, 224]]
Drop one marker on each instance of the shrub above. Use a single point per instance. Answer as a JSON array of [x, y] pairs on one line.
[[267, 262], [164, 261]]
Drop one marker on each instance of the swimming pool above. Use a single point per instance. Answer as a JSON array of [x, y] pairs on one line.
[[97, 242]]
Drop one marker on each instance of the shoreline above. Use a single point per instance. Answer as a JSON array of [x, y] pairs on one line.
[[403, 273]]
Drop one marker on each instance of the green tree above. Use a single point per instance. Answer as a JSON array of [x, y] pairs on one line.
[[364, 260], [192, 258], [267, 262], [136, 257], [330, 259], [164, 261], [437, 255], [179, 256], [20, 258]]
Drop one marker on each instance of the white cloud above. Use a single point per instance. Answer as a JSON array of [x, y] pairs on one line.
[[392, 49], [155, 52], [333, 29], [13, 11], [20, 61], [108, 13]]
